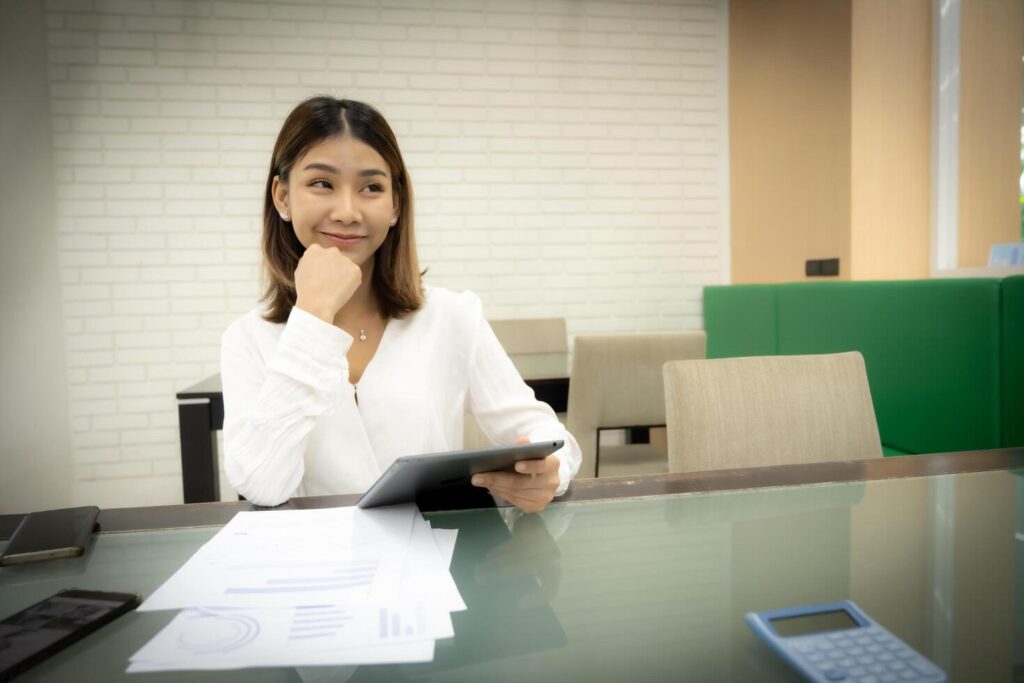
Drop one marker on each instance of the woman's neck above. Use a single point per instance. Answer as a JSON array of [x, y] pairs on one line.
[[362, 306]]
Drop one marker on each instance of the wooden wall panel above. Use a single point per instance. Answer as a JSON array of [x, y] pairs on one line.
[[890, 205], [991, 45], [789, 102]]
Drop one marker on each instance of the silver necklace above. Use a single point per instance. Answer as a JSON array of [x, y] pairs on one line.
[[362, 334]]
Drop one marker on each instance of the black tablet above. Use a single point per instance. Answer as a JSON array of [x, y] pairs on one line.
[[412, 477]]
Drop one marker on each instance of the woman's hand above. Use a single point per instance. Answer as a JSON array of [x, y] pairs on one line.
[[325, 279], [530, 488]]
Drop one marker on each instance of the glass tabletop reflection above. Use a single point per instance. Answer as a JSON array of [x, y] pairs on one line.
[[648, 588]]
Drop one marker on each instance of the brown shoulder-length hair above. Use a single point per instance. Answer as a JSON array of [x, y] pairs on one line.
[[397, 281]]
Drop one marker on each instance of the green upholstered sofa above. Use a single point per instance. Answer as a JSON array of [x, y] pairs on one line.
[[945, 357]]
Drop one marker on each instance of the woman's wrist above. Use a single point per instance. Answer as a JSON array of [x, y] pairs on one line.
[[319, 311]]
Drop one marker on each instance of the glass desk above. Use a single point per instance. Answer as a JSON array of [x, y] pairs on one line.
[[648, 579]]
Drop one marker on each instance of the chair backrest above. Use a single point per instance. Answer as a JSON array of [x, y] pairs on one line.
[[533, 335], [616, 381], [769, 410]]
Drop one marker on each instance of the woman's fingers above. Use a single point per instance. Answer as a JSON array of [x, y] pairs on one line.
[[519, 493], [325, 279], [540, 466], [514, 481], [523, 503], [527, 496], [531, 487]]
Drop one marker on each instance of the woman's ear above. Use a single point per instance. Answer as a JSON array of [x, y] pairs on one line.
[[279, 192]]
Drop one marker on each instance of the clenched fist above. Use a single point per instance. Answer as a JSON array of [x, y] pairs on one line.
[[325, 279]]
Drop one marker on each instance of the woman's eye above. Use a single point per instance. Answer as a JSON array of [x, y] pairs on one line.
[[321, 183], [375, 187]]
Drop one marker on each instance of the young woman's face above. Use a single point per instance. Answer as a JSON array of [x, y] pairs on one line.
[[339, 194]]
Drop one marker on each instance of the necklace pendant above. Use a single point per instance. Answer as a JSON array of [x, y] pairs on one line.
[[362, 335]]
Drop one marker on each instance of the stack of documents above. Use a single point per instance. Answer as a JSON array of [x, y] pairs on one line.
[[306, 587]]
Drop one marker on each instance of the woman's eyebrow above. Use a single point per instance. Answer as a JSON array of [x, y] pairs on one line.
[[365, 173], [321, 167]]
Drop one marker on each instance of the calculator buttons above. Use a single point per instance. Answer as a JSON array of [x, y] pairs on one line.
[[922, 667], [871, 670], [866, 654]]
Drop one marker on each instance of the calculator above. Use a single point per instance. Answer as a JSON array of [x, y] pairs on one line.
[[837, 642]]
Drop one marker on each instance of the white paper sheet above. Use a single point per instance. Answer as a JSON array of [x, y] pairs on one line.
[[404, 653], [289, 558], [237, 638], [445, 540], [393, 617], [426, 574]]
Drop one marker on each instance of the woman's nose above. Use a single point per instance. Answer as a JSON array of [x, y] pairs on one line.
[[345, 209]]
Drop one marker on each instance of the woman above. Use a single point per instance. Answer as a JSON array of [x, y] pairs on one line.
[[353, 362]]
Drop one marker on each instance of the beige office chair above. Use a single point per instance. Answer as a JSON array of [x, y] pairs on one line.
[[536, 335], [769, 410], [529, 335], [616, 382]]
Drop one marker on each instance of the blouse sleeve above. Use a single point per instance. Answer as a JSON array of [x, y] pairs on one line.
[[271, 409], [506, 407]]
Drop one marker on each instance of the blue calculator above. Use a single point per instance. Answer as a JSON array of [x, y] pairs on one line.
[[837, 642]]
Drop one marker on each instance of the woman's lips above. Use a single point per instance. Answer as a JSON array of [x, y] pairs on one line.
[[343, 240]]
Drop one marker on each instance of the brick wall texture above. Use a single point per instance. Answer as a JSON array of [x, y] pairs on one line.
[[569, 158]]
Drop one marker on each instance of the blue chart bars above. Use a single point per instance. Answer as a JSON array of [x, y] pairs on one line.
[[353, 576], [319, 621], [392, 627]]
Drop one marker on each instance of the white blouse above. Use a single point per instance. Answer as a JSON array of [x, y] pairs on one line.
[[293, 425]]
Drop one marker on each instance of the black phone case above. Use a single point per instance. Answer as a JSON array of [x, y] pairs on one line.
[[128, 602], [50, 535]]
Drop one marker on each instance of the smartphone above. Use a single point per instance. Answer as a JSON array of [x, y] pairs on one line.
[[38, 632], [50, 535]]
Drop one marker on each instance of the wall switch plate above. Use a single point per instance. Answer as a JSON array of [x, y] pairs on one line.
[[819, 267]]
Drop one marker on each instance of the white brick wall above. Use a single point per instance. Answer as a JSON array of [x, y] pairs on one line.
[[568, 158]]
